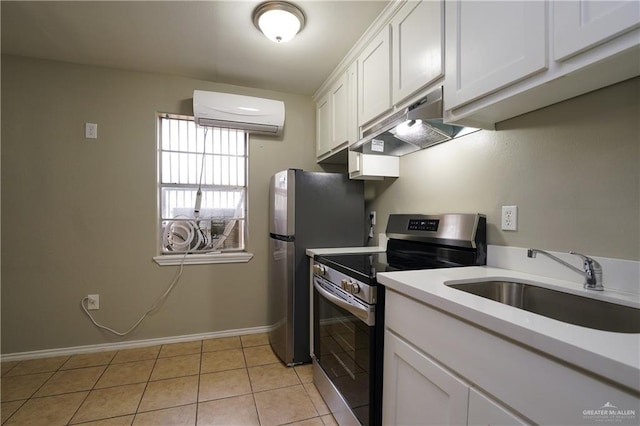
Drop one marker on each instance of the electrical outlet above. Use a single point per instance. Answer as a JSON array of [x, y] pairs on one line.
[[509, 218], [93, 302]]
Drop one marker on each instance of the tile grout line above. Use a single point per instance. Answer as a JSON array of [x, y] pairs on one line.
[[90, 390], [198, 386], [253, 394], [32, 396], [16, 410], [146, 385]]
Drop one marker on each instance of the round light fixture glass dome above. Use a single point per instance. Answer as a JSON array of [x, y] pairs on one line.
[[279, 21]]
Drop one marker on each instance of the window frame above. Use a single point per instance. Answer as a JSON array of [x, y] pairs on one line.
[[197, 258]]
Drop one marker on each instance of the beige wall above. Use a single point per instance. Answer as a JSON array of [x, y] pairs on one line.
[[573, 170], [78, 215]]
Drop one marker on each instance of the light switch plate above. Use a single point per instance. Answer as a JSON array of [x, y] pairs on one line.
[[91, 130]]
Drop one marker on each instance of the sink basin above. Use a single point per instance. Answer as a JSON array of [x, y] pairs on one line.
[[558, 305]]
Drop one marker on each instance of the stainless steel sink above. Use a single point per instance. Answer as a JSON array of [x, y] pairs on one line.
[[558, 305]]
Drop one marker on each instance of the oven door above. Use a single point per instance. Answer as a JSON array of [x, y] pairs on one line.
[[344, 348]]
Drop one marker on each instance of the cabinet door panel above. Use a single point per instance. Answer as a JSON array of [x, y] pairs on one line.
[[491, 45], [418, 391], [323, 125], [483, 411], [352, 100], [418, 44], [374, 78], [579, 24], [339, 111]]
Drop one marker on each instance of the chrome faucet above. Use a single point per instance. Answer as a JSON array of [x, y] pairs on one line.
[[592, 270]]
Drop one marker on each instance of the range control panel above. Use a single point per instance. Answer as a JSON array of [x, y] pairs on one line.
[[423, 225]]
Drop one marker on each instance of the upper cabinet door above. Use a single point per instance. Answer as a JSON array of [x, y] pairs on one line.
[[418, 45], [582, 24], [353, 130], [374, 77], [491, 45], [340, 112], [323, 125]]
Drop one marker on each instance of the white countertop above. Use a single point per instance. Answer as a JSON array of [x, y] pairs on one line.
[[612, 355]]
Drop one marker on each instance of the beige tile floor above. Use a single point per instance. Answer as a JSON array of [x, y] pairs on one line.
[[225, 381]]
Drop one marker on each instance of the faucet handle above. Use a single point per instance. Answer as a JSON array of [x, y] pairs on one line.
[[587, 260], [593, 272]]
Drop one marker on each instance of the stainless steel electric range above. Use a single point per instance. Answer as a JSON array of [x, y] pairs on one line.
[[348, 305]]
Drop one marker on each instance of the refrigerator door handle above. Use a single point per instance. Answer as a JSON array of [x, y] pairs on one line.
[[361, 313], [285, 238]]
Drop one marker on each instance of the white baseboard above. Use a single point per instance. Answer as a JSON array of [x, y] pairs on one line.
[[47, 353]]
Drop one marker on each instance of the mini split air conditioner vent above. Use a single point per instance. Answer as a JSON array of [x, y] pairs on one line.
[[253, 115]]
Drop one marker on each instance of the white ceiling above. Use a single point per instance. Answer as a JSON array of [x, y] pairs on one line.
[[206, 40]]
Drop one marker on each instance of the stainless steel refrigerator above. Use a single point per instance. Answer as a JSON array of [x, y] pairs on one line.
[[306, 210]]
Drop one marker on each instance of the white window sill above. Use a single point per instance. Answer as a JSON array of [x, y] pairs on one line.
[[203, 259]]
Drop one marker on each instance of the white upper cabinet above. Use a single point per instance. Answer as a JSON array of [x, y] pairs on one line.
[[323, 125], [373, 167], [506, 58], [340, 112], [374, 77], [582, 24], [418, 45], [353, 131], [491, 45], [333, 117]]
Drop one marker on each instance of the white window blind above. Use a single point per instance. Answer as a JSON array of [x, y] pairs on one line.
[[209, 160]]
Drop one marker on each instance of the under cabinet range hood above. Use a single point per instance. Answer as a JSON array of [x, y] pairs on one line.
[[416, 127]]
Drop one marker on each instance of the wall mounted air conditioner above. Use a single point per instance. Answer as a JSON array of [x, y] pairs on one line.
[[253, 115]]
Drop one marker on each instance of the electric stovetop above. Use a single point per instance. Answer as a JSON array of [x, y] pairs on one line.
[[365, 266]]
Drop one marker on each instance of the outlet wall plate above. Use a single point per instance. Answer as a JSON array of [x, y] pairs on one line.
[[93, 302], [509, 218]]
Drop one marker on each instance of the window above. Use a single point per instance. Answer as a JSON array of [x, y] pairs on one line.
[[202, 184]]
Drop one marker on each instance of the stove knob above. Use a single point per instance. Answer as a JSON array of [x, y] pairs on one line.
[[344, 284], [355, 288], [319, 269]]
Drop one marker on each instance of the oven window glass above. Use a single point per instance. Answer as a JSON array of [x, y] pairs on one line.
[[343, 353]]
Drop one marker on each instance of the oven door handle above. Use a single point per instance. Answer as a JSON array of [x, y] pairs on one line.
[[361, 313]]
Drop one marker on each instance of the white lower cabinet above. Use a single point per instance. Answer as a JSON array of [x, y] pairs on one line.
[[483, 411], [439, 369], [418, 391]]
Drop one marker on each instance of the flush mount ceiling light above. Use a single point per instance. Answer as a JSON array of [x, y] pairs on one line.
[[279, 21]]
